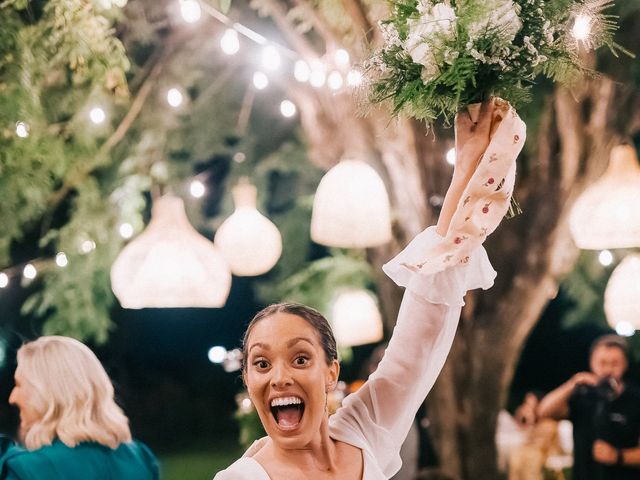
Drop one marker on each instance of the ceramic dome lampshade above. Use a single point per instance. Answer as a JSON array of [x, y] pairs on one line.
[[170, 264], [351, 207], [355, 319], [250, 243], [607, 214], [622, 295]]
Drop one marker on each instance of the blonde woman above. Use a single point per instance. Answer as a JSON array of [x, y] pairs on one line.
[[70, 425]]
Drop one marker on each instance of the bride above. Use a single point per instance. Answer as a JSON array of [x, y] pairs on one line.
[[290, 359]]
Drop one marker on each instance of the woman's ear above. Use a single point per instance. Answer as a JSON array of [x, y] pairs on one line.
[[333, 372]]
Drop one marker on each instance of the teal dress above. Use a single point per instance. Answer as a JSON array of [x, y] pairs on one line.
[[87, 461]]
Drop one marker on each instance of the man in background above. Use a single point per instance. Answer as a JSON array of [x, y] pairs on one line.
[[605, 412]]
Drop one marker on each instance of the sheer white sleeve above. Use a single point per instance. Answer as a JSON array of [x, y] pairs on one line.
[[381, 412]]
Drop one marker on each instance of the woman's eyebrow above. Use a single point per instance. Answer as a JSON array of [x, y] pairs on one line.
[[293, 341], [261, 345]]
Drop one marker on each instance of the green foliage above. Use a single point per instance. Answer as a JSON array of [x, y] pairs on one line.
[[55, 59], [437, 58]]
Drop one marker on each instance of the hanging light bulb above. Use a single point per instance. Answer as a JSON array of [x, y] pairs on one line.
[[355, 319], [302, 71], [607, 215], [4, 280], [190, 10], [229, 42], [249, 241], [271, 58], [170, 265], [88, 246], [622, 295], [351, 207]]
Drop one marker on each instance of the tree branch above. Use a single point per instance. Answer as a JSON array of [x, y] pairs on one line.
[[298, 41], [73, 180], [320, 23], [358, 14]]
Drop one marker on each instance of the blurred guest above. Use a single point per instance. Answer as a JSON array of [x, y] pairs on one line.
[[605, 412], [70, 425], [540, 441]]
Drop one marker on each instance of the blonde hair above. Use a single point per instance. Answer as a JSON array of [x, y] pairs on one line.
[[72, 394]]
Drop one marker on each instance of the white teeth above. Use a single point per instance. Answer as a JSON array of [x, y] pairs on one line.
[[282, 401]]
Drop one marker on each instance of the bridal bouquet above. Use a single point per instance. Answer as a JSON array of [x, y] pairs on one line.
[[441, 55]]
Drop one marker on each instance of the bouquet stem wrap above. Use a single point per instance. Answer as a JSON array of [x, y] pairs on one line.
[[485, 200]]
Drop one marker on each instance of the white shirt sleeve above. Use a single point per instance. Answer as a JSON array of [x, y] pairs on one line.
[[381, 412]]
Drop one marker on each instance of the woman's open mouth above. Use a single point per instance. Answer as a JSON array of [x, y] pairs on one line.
[[287, 411]]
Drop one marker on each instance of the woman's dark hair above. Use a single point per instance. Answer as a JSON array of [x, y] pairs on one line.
[[313, 317]]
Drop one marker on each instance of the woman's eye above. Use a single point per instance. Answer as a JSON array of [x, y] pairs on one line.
[[301, 360], [261, 364]]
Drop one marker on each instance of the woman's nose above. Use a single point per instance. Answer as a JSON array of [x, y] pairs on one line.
[[280, 376]]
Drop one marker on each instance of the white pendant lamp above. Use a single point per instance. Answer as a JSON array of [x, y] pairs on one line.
[[607, 214], [170, 264], [355, 319], [351, 207], [622, 295], [250, 243]]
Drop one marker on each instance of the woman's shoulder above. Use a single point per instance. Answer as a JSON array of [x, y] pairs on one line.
[[25, 463], [245, 468]]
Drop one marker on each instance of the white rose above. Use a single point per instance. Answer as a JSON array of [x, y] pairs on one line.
[[433, 26], [501, 16]]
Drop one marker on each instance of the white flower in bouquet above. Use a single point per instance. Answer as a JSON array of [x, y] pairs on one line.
[[500, 18], [435, 26]]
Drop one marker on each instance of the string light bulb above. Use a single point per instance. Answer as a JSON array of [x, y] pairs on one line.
[[126, 230], [581, 27], [4, 280], [22, 130], [302, 71], [229, 42], [197, 189], [271, 58], [287, 108], [29, 271], [174, 97], [260, 81], [190, 10], [317, 77], [605, 257], [335, 81], [217, 354], [354, 78], [97, 115], [341, 57], [88, 246], [61, 259], [451, 156]]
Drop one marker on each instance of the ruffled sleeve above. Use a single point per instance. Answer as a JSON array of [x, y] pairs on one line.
[[446, 287]]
